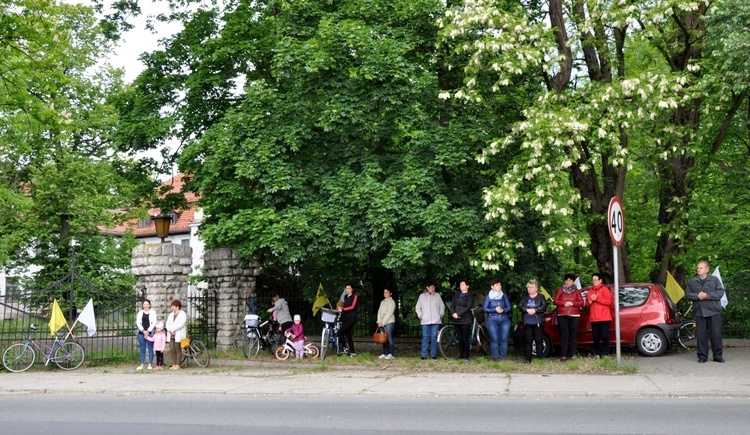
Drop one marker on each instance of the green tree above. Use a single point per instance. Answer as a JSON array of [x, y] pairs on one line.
[[628, 83], [62, 179], [314, 135]]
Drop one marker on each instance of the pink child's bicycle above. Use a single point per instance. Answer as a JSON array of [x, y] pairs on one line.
[[287, 349]]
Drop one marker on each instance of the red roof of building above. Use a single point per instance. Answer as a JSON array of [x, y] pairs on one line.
[[182, 226]]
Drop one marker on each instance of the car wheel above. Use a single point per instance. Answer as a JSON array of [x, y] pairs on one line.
[[546, 346], [651, 342]]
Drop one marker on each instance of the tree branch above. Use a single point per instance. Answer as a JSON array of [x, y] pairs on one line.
[[736, 102]]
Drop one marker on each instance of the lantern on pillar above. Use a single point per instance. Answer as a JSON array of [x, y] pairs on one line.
[[161, 222]]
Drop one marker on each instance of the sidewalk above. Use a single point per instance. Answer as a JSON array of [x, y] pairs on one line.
[[672, 375]]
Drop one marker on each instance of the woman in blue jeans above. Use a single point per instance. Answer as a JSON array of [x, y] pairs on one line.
[[498, 308], [145, 322]]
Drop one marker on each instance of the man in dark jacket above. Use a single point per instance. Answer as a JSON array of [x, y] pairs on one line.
[[706, 292]]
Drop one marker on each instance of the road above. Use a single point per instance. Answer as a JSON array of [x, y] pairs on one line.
[[221, 414]]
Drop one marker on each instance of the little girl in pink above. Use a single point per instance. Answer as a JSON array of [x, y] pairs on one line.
[[297, 332], [159, 338]]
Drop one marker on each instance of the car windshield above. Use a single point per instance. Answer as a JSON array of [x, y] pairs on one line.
[[630, 296]]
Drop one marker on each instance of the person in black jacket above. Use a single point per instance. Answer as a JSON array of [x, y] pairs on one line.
[[460, 308], [348, 318], [533, 305]]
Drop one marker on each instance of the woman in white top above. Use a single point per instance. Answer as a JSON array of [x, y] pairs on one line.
[[387, 320], [176, 332], [145, 321]]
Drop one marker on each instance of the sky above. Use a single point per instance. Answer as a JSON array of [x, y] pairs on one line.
[[138, 40]]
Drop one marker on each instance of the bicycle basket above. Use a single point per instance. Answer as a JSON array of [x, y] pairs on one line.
[[252, 321], [328, 315]]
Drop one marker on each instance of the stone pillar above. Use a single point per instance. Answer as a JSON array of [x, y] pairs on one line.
[[231, 279], [162, 269]]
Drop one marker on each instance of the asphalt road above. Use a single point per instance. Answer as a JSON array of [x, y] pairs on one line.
[[218, 414]]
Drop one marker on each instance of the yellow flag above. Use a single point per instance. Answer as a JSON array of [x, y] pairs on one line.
[[57, 320], [544, 293], [321, 300], [673, 289]]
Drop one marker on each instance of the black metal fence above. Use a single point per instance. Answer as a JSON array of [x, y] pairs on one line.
[[115, 316], [115, 337], [203, 311]]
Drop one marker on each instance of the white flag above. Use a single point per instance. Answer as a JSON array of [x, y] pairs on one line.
[[577, 283], [724, 300], [87, 318]]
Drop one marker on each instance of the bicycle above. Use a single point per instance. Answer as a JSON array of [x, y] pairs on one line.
[[448, 339], [330, 334], [19, 357], [686, 337], [197, 351], [282, 353], [254, 339]]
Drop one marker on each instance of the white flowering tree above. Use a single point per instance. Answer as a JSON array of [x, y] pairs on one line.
[[629, 82]]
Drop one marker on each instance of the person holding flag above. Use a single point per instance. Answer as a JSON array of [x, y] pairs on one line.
[[706, 292]]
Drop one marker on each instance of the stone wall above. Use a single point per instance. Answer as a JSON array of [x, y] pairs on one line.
[[162, 270], [232, 279]]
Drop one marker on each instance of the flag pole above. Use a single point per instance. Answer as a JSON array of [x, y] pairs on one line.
[[70, 330]]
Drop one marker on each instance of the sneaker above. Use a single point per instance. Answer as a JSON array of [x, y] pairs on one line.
[[381, 356], [174, 368], [434, 357], [157, 368], [139, 368], [389, 356], [149, 367], [424, 357], [352, 355], [563, 359], [597, 357], [466, 360]]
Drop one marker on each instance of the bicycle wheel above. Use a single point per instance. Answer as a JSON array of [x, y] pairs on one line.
[[483, 340], [448, 342], [251, 343], [324, 343], [198, 352], [239, 337], [311, 351], [687, 335], [19, 357], [282, 353], [275, 339], [69, 356]]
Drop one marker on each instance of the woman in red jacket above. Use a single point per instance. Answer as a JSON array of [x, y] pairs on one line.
[[568, 301], [599, 299]]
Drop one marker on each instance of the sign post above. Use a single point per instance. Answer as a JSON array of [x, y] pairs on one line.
[[616, 224]]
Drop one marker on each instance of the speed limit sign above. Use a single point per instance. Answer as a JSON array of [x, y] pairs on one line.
[[616, 221]]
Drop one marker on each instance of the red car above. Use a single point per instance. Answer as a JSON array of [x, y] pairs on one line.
[[648, 322]]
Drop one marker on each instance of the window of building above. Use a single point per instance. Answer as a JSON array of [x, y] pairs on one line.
[[12, 287]]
